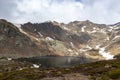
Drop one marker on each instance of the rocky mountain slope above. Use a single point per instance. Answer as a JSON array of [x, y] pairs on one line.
[[14, 43], [78, 38]]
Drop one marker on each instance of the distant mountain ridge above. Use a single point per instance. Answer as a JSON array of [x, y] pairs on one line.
[[78, 38]]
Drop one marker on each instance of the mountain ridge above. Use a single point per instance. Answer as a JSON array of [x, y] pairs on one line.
[[77, 38]]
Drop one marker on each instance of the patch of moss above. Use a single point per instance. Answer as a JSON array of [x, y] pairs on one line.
[[105, 77]]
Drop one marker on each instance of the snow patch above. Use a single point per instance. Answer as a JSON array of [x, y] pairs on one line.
[[36, 66], [94, 28], [102, 52], [69, 50], [116, 37], [71, 43], [111, 28], [103, 31], [82, 50], [40, 34], [83, 28], [89, 47], [9, 59], [66, 28], [21, 68], [85, 49], [97, 46], [49, 38], [108, 38], [116, 27], [107, 55], [19, 27], [76, 53]]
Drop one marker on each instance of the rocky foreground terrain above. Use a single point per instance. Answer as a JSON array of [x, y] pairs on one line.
[[22, 70]]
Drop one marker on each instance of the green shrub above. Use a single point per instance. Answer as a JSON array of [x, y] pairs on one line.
[[105, 77], [114, 74]]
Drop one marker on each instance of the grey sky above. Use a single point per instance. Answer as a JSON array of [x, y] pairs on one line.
[[99, 11], [6, 8]]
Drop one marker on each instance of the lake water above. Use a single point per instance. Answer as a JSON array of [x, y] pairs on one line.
[[57, 61]]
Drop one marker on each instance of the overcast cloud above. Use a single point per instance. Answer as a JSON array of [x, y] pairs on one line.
[[99, 11]]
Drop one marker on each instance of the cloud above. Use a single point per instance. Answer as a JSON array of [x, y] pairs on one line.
[[99, 11], [43, 10], [102, 11]]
